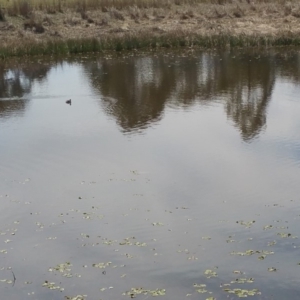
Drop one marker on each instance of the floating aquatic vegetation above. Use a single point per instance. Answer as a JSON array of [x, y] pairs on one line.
[[210, 273], [272, 243], [158, 224], [268, 227], [108, 242], [201, 288], [286, 235], [185, 251], [242, 293], [103, 289], [6, 281], [230, 241], [272, 269], [192, 257], [40, 225], [78, 297], [4, 251], [102, 265], [62, 267], [206, 238], [251, 252], [85, 235], [137, 291], [237, 272], [246, 224], [243, 280], [128, 241], [52, 286]]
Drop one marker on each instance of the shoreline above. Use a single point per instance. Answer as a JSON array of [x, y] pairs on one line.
[[201, 25]]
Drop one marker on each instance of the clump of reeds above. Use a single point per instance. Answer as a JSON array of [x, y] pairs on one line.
[[145, 41], [23, 7], [2, 15]]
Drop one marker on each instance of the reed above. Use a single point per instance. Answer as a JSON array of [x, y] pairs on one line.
[[131, 42], [24, 7], [58, 26]]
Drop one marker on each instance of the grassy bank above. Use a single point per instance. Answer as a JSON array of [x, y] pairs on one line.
[[31, 27], [86, 45]]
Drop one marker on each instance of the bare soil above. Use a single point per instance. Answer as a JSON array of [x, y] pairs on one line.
[[249, 19]]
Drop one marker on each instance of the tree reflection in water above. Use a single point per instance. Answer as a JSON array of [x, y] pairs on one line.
[[15, 84], [136, 89]]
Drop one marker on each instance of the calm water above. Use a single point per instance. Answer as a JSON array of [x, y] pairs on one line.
[[166, 170]]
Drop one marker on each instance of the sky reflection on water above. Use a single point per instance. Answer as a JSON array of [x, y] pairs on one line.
[[201, 142]]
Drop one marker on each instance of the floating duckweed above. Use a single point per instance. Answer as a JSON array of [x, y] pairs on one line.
[[230, 241], [251, 252], [199, 285], [62, 267], [237, 272], [108, 242], [6, 281], [286, 235], [52, 286], [272, 269], [158, 224], [242, 293], [243, 280], [137, 291], [248, 252], [127, 241], [202, 291], [210, 273], [102, 265], [78, 297], [247, 224], [272, 243], [201, 288], [268, 227]]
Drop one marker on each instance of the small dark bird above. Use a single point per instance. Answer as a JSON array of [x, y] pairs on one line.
[[69, 101]]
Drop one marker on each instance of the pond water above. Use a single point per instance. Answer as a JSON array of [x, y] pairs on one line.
[[174, 175]]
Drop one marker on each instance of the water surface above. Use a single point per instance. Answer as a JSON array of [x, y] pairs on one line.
[[165, 165]]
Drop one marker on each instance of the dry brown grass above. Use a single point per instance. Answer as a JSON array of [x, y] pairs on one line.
[[2, 15], [165, 22], [24, 7]]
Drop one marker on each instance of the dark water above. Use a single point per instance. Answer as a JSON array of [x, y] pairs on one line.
[[165, 166]]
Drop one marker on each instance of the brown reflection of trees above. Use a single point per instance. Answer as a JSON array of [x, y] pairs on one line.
[[15, 83], [136, 90], [248, 83]]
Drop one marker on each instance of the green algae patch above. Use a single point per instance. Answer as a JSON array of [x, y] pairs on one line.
[[52, 286], [138, 291], [242, 293], [78, 297]]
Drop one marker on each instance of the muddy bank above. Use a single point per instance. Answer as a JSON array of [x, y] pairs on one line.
[[244, 24]]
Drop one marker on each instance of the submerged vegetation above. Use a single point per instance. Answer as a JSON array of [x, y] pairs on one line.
[[29, 27]]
